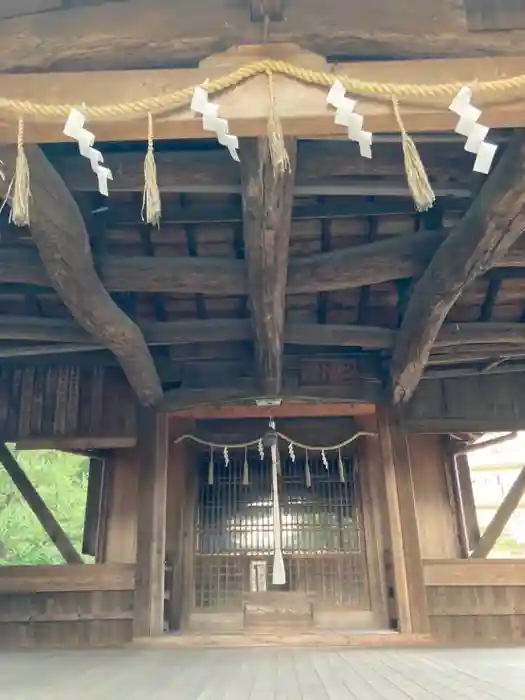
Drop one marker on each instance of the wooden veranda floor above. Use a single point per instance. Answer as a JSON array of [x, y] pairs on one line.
[[264, 674]]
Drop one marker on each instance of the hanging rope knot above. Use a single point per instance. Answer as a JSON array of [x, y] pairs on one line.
[[417, 178], [151, 203]]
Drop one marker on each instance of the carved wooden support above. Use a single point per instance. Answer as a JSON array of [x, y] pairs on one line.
[[267, 206], [60, 235], [492, 224]]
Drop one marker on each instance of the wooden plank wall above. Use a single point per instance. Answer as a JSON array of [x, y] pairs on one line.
[[61, 405], [482, 403], [436, 519], [472, 601], [66, 606]]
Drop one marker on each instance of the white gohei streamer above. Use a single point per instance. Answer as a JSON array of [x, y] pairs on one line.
[[212, 122], [476, 133], [74, 128], [346, 116], [279, 573]]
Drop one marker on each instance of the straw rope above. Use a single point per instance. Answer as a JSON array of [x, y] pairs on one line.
[[487, 92]]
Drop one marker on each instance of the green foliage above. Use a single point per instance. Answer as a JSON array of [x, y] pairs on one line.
[[61, 480]]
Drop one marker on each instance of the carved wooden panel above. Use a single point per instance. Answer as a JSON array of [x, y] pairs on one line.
[[66, 403]]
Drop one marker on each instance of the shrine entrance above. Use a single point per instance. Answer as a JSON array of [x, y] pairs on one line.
[[320, 534]]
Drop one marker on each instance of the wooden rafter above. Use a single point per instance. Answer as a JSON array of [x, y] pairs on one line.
[[60, 235], [492, 224], [501, 518], [397, 257], [267, 206], [46, 518]]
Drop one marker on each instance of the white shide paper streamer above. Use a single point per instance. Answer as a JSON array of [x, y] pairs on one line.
[[476, 133], [212, 122], [74, 128], [346, 116]]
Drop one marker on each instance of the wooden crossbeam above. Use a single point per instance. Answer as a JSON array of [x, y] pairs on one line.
[[397, 257], [59, 232], [46, 518], [65, 336], [157, 33], [302, 108], [501, 518], [267, 198], [492, 224]]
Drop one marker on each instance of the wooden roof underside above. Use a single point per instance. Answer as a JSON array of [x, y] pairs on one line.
[[356, 248], [75, 35], [200, 303]]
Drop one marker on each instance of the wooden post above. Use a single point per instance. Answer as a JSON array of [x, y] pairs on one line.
[[501, 518], [38, 506], [401, 511], [152, 449], [469, 526]]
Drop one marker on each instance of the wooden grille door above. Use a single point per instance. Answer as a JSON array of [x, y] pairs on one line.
[[322, 538]]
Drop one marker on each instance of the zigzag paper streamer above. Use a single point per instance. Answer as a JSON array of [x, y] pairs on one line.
[[346, 116], [476, 133], [212, 122], [74, 128]]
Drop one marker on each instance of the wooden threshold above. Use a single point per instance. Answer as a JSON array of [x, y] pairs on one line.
[[306, 639]]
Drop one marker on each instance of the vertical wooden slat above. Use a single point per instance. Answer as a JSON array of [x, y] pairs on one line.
[[406, 554], [152, 448]]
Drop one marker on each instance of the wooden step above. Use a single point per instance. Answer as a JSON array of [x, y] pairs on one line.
[[278, 609]]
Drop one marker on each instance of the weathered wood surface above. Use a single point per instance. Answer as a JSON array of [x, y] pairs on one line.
[[152, 455], [141, 38], [267, 198], [493, 223], [302, 108], [66, 606], [60, 234], [348, 268], [67, 405], [479, 403], [473, 600], [254, 674], [39, 507]]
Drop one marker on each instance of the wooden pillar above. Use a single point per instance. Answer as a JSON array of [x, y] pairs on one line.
[[402, 520], [152, 453], [121, 524], [468, 516]]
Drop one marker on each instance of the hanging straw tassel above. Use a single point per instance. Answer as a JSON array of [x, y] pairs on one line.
[[246, 469], [19, 215], [278, 153], [151, 197], [210, 469], [307, 473], [420, 187], [341, 466]]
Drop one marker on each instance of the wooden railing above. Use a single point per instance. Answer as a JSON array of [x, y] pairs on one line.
[[66, 606], [480, 600]]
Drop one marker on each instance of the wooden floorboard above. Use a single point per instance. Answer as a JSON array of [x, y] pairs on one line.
[[265, 674]]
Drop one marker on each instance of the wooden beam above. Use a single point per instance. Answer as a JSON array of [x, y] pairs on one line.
[[502, 516], [287, 409], [267, 206], [60, 235], [492, 224], [39, 508], [64, 336], [302, 108], [410, 591], [466, 502], [152, 453], [169, 33], [372, 263]]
